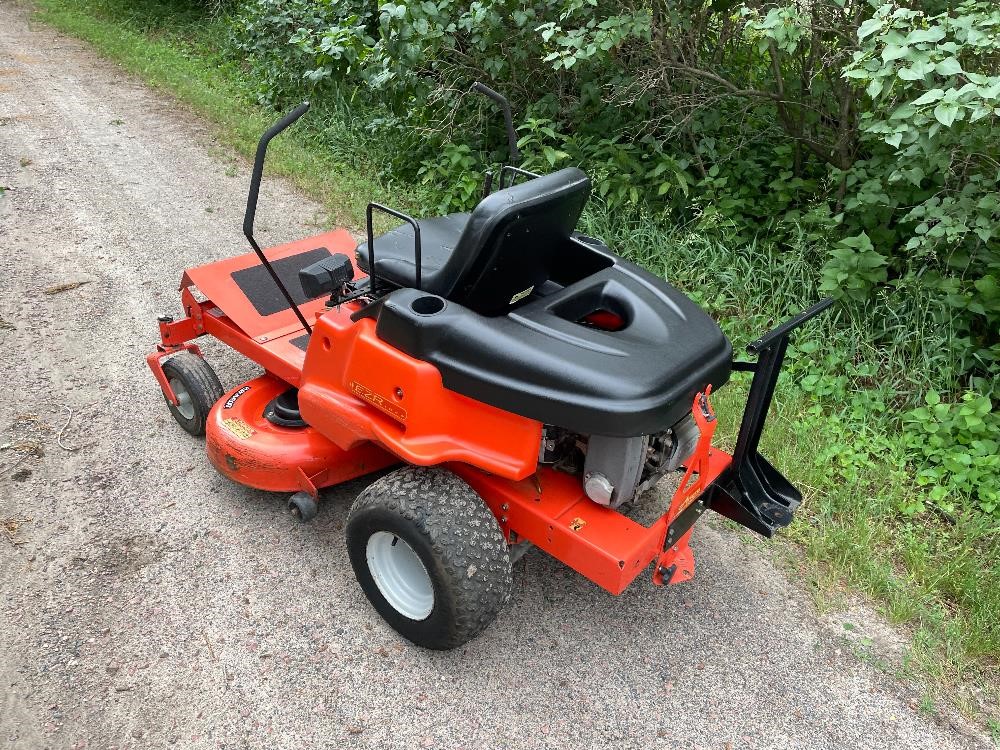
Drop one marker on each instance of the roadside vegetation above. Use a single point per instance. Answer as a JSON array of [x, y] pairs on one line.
[[760, 156]]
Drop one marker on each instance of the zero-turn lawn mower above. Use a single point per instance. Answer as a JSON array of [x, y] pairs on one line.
[[528, 383]]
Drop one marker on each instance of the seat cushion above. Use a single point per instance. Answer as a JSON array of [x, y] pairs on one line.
[[493, 259], [511, 241], [394, 252]]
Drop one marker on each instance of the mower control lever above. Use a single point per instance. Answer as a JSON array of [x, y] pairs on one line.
[[251, 212], [508, 118], [258, 165]]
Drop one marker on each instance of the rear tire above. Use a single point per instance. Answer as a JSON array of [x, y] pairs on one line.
[[197, 388], [429, 556]]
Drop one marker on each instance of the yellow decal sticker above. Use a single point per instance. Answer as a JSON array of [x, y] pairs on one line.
[[521, 295], [576, 524], [238, 428], [387, 405]]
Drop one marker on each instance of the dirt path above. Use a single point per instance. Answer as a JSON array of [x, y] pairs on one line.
[[152, 603]]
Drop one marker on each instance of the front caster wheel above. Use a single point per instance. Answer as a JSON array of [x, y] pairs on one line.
[[197, 388], [303, 506], [429, 556]]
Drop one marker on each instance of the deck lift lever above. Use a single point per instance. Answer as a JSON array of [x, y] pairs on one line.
[[251, 212]]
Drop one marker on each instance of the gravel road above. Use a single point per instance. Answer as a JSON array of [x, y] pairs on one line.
[[148, 602]]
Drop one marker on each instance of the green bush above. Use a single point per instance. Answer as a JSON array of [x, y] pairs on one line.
[[930, 125], [282, 44], [961, 451]]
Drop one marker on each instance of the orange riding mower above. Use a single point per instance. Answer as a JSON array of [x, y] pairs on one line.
[[511, 382]]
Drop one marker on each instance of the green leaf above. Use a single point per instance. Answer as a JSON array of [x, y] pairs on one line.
[[979, 113], [946, 113], [869, 27], [950, 66], [932, 398], [915, 175], [894, 52], [989, 287], [933, 34], [858, 242], [930, 96], [916, 71]]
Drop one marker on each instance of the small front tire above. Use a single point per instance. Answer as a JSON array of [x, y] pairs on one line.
[[197, 388], [429, 556], [303, 506]]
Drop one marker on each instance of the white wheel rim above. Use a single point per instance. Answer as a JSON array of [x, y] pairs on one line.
[[400, 575], [185, 404]]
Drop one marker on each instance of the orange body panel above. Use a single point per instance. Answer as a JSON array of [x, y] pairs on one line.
[[248, 449], [552, 511], [602, 544], [355, 387]]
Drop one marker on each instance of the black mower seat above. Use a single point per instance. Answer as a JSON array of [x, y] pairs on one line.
[[496, 256], [394, 251]]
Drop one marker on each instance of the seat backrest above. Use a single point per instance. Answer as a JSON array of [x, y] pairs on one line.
[[512, 239]]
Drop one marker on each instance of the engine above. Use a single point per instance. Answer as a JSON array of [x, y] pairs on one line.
[[617, 470]]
